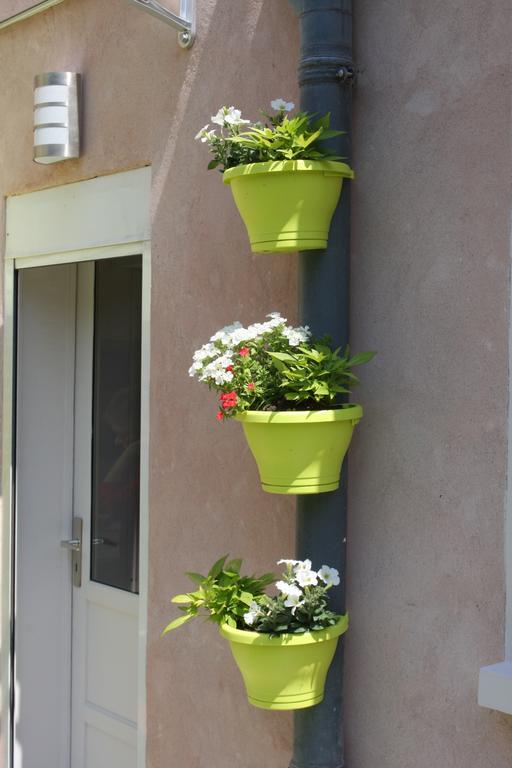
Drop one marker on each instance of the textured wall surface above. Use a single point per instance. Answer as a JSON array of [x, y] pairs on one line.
[[145, 99], [430, 277]]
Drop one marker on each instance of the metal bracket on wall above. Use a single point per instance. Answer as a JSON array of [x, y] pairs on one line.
[[185, 23], [346, 74]]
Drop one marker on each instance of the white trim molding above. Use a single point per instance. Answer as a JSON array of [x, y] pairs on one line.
[[495, 687], [495, 680], [108, 210]]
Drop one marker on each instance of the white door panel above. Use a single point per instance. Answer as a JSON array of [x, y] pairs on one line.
[[105, 619]]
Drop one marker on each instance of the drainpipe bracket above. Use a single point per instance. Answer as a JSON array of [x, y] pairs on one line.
[[346, 74]]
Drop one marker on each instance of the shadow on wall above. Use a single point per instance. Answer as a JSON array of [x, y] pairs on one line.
[[194, 103]]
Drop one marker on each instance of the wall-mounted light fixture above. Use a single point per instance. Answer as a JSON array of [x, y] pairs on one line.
[[184, 22], [56, 116]]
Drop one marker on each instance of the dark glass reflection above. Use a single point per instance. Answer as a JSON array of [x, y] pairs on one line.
[[116, 423]]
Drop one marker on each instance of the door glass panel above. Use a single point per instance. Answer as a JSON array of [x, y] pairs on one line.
[[116, 423]]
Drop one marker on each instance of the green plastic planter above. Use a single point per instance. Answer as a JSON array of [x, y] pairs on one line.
[[287, 206], [285, 672], [300, 451]]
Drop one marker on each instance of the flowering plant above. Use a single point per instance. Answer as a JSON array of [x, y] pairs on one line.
[[274, 366], [278, 138], [299, 606]]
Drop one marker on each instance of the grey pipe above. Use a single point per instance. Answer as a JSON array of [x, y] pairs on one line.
[[325, 74]]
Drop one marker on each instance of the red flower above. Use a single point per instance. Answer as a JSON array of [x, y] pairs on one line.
[[220, 416], [244, 352], [228, 399], [250, 385], [229, 368]]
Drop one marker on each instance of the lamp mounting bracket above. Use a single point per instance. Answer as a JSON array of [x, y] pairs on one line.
[[185, 22]]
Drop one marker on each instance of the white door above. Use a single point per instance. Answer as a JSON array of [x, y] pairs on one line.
[[77, 515]]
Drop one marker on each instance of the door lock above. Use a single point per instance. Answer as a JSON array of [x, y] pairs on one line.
[[74, 545]]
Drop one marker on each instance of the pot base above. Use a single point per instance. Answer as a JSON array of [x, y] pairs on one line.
[[301, 489], [289, 244], [287, 704]]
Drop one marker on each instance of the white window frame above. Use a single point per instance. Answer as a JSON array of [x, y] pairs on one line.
[[101, 218]]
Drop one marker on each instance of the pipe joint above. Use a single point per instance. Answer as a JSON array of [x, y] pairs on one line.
[[326, 69]]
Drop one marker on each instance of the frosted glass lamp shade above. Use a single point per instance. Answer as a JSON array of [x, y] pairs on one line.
[[57, 116]]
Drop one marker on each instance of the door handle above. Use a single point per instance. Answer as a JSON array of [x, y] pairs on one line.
[[74, 545]]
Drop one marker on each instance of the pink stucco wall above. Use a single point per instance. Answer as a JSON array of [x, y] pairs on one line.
[[430, 272], [430, 279], [145, 99]]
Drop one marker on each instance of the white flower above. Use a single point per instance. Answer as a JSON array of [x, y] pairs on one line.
[[224, 334], [303, 565], [278, 104], [275, 320], [216, 370], [288, 589], [293, 602], [329, 576], [201, 133], [252, 614], [204, 134], [228, 116], [218, 119], [241, 334], [234, 117], [288, 562], [208, 350], [306, 578], [195, 368], [296, 336]]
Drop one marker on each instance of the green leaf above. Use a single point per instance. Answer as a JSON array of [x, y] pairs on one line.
[[361, 358], [284, 356], [246, 598], [234, 565], [217, 567], [195, 577], [181, 599], [176, 623]]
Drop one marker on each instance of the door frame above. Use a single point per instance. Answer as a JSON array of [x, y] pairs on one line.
[[105, 218]]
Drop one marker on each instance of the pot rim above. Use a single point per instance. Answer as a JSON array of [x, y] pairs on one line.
[[350, 411], [246, 637], [328, 167]]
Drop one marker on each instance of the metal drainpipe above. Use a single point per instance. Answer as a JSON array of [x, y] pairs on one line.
[[325, 77]]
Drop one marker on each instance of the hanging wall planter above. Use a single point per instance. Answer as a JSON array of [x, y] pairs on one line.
[[284, 386], [284, 644], [285, 181], [284, 672], [287, 206], [300, 452]]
